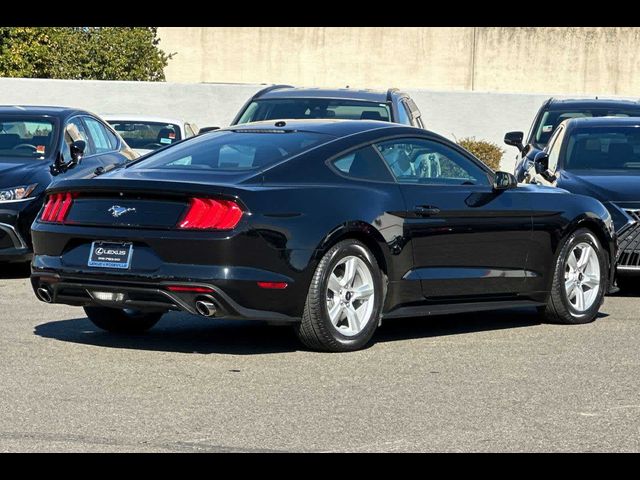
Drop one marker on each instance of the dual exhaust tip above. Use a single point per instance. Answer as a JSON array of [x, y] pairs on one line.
[[204, 306], [43, 294]]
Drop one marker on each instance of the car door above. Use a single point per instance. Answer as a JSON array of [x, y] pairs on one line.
[[468, 239]]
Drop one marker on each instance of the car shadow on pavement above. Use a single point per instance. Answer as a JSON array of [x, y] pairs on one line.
[[189, 334], [15, 270]]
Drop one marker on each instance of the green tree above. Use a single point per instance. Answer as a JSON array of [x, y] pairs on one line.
[[93, 53]]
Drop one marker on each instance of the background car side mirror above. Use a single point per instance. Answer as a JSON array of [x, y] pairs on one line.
[[514, 139], [77, 151], [541, 162], [504, 181]]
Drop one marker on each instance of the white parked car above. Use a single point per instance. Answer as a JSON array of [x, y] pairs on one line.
[[146, 133]]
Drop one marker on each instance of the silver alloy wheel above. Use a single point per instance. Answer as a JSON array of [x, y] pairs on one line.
[[350, 296], [582, 277]]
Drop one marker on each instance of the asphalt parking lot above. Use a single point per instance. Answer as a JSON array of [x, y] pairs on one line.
[[478, 382]]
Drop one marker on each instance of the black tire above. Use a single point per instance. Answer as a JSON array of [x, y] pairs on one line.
[[316, 330], [628, 284], [559, 309], [120, 321]]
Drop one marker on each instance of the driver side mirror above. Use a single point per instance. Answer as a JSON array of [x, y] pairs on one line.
[[76, 150], [504, 181], [514, 139], [541, 162], [541, 166]]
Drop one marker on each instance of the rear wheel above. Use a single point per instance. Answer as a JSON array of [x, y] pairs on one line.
[[345, 299], [579, 281], [122, 320]]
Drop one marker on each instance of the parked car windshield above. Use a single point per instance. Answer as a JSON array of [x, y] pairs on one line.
[[228, 150], [26, 137], [604, 148], [297, 108], [147, 135], [552, 118]]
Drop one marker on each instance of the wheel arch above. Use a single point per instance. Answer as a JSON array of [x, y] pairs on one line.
[[363, 232], [598, 228]]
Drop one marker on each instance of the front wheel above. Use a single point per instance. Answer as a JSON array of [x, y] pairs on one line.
[[579, 280], [118, 320], [345, 300]]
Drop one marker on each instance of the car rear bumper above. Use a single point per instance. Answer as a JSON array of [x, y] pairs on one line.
[[147, 295]]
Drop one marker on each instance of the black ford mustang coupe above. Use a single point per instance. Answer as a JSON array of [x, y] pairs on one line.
[[330, 225]]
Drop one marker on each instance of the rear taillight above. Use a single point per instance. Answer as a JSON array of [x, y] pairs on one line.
[[209, 214], [57, 207]]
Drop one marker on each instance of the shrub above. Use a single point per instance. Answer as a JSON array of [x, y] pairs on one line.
[[488, 152]]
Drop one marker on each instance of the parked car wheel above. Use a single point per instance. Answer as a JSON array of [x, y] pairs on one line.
[[121, 320], [579, 281], [344, 302]]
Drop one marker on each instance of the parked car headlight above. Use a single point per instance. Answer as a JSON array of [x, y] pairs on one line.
[[16, 193]]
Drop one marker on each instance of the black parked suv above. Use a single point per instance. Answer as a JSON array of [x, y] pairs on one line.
[[287, 102], [553, 112]]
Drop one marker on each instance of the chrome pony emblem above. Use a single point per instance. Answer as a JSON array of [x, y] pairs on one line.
[[118, 211]]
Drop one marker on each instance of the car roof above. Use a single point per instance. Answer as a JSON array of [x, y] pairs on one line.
[[337, 127], [587, 122], [53, 111], [129, 117], [365, 95], [563, 103]]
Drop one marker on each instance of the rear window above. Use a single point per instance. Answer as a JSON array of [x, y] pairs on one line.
[[147, 135], [234, 151], [301, 108]]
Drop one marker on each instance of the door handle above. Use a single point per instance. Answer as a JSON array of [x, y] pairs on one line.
[[426, 210]]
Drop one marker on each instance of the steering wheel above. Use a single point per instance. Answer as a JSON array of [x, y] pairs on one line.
[[152, 146], [22, 145]]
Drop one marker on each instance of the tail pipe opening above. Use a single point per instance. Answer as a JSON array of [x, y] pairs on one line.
[[44, 294], [205, 307]]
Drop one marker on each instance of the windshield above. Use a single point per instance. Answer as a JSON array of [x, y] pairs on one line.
[[147, 135], [298, 108], [604, 148], [234, 151], [25, 137], [552, 118]]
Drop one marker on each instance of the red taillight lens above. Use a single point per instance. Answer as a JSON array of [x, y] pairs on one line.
[[209, 214], [57, 208]]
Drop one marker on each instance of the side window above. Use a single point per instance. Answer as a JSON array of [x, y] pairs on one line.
[[554, 148], [188, 132], [414, 160], [404, 116], [100, 135], [363, 163], [74, 130]]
